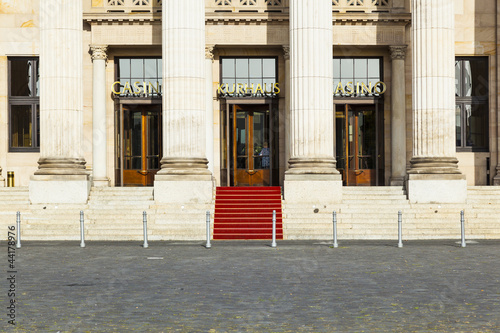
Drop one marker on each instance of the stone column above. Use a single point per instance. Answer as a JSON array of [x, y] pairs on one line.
[[99, 142], [184, 176], [312, 173], [434, 175], [209, 59], [398, 116], [61, 176], [286, 56]]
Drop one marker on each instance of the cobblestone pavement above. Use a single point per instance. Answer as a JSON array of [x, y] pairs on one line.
[[433, 286]]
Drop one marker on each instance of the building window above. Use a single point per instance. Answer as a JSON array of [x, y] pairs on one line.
[[139, 77], [24, 105], [357, 77], [249, 77], [471, 112]]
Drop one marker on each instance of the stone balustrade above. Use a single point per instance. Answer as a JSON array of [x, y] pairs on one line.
[[235, 6]]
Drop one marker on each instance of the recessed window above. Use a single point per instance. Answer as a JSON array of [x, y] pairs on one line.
[[250, 77], [24, 105], [139, 77], [358, 77], [471, 112]]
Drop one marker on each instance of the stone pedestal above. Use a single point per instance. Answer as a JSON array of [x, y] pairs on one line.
[[54, 189], [434, 175], [320, 189], [61, 176], [188, 189], [184, 176], [435, 188], [99, 144]]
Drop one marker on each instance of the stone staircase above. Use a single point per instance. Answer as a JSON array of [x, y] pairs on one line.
[[364, 213]]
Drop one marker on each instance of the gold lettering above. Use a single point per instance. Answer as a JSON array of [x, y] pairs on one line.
[[127, 87], [259, 88], [155, 89], [339, 88], [276, 88], [241, 88], [113, 88], [357, 88], [384, 87], [349, 89], [220, 89], [147, 88], [265, 89], [368, 89], [247, 87], [137, 88], [227, 89]]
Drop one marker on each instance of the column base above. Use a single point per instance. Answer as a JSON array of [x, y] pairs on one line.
[[312, 188], [496, 178], [187, 189], [101, 182], [436, 188], [59, 189], [397, 181]]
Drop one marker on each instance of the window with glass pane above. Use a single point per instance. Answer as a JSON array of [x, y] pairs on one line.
[[24, 101], [258, 74], [361, 74], [471, 90], [140, 77]]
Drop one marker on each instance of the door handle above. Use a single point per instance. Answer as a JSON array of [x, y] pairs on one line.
[[143, 172], [251, 172], [358, 172]]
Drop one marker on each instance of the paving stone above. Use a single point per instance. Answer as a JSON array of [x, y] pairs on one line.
[[301, 286]]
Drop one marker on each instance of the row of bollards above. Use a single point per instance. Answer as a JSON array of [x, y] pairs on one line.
[[400, 229], [208, 244]]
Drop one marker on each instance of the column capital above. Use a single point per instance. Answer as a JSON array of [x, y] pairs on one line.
[[99, 52], [398, 51], [209, 52], [286, 52]]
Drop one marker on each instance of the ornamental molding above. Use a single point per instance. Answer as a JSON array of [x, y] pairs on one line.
[[209, 52], [398, 51], [286, 52], [99, 52]]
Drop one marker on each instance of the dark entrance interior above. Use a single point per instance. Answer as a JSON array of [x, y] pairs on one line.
[[249, 147], [359, 144], [139, 146]]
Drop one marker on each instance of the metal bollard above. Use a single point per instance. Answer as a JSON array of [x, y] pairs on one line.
[[145, 227], [462, 223], [208, 245], [18, 236], [400, 227], [82, 235], [273, 244], [335, 244]]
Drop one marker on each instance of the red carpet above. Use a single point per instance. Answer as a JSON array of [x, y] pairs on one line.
[[247, 212]]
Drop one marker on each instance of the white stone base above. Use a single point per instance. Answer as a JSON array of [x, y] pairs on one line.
[[436, 188], [48, 189], [307, 188], [100, 182], [183, 189]]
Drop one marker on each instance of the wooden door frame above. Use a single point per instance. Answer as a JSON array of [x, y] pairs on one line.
[[376, 102], [129, 102], [234, 102]]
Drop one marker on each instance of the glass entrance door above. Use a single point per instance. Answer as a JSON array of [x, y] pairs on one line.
[[251, 150], [141, 152], [357, 144]]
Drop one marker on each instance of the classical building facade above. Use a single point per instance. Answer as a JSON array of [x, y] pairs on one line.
[[313, 96]]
